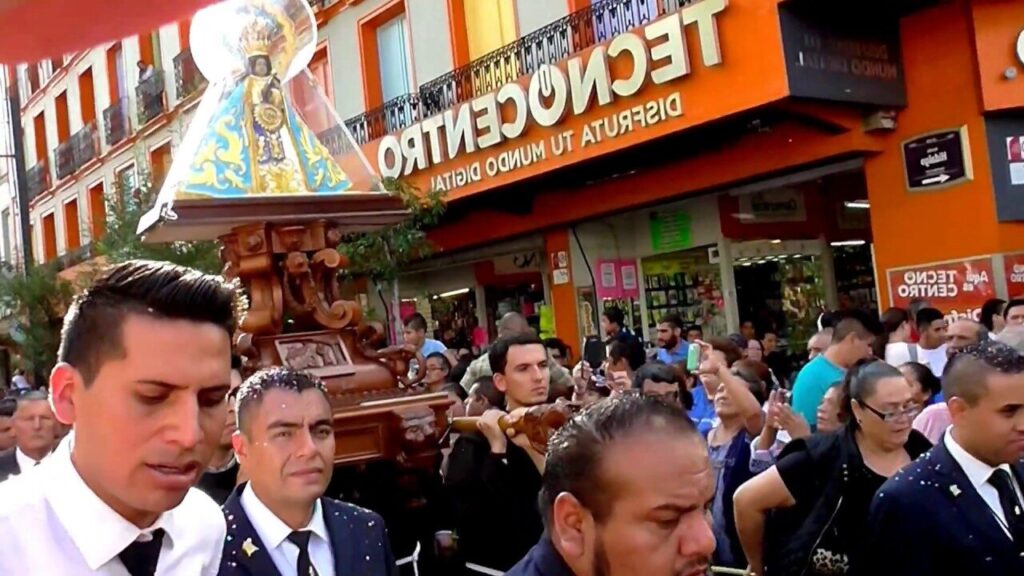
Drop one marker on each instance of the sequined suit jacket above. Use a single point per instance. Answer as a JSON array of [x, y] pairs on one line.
[[359, 541]]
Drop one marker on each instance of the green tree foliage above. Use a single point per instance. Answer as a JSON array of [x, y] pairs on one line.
[[381, 254], [121, 241], [35, 303]]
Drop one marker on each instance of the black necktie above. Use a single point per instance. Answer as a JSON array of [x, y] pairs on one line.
[[304, 566], [1003, 483], [140, 557]]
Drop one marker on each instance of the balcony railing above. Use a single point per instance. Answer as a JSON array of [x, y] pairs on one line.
[[115, 122], [187, 78], [82, 147], [394, 115], [149, 96], [599, 22], [86, 144], [37, 180], [64, 159]]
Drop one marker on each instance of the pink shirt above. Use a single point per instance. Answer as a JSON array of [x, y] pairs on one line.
[[933, 421]]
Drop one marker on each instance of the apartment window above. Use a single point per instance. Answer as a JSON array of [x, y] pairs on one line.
[[87, 96], [97, 211], [63, 123], [72, 233], [149, 49], [39, 130], [159, 164], [116, 78], [125, 180], [5, 229], [49, 238], [383, 54], [32, 72], [394, 61], [489, 25]]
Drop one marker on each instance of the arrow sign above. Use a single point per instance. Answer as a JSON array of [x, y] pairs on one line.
[[941, 179], [936, 160]]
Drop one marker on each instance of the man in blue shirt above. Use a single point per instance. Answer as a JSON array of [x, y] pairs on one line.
[[851, 342], [672, 347], [725, 353]]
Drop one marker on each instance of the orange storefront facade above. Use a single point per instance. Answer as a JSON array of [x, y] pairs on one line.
[[735, 134]]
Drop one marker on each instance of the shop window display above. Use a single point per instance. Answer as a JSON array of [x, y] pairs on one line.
[[684, 283]]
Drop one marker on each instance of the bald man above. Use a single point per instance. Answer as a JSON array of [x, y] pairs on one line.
[[513, 324], [964, 333]]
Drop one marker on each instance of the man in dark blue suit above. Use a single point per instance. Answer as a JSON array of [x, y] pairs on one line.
[[279, 523], [959, 508]]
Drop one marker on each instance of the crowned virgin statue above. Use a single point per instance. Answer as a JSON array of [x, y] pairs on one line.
[[255, 143]]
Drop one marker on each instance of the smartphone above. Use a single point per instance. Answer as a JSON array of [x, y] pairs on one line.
[[693, 358], [594, 352]]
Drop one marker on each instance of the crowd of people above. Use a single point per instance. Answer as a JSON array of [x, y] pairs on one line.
[[895, 449]]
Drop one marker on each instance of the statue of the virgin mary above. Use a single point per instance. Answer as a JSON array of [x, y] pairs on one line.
[[256, 144]]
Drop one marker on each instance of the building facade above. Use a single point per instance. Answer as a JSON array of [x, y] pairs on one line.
[[721, 160]]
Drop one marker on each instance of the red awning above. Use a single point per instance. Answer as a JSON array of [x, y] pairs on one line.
[[32, 30]]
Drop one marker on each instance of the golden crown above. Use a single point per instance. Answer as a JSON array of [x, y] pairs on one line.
[[257, 38]]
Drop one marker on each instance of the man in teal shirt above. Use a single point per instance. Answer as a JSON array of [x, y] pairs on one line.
[[851, 342]]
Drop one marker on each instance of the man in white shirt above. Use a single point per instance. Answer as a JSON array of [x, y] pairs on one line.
[[19, 382], [960, 509], [279, 523], [34, 435], [931, 329], [143, 370]]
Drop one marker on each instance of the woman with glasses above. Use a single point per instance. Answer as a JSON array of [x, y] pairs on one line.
[[813, 504]]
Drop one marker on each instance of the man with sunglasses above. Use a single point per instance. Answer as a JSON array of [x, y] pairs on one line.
[[221, 476], [959, 509]]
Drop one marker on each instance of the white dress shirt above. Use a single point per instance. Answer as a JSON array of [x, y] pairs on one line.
[[274, 534], [52, 523], [979, 473], [25, 462]]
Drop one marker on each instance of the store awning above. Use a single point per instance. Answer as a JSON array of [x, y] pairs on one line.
[[31, 30]]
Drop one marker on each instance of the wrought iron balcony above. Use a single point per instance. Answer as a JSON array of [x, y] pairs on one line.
[[64, 159], [394, 115], [86, 144], [149, 95], [187, 78], [115, 122], [37, 180], [599, 22]]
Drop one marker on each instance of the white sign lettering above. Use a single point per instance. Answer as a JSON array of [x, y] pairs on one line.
[[553, 93]]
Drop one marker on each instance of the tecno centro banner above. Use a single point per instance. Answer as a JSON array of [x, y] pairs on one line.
[[958, 288]]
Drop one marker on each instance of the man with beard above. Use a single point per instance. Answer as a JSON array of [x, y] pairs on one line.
[[672, 347], [493, 479], [220, 478], [143, 370], [625, 493]]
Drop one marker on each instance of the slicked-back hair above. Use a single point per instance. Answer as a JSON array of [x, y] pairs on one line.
[[575, 451], [861, 382], [7, 407], [966, 374], [94, 325], [32, 396], [252, 390], [498, 354], [675, 321]]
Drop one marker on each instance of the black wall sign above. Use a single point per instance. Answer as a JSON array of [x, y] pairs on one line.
[[1006, 155], [936, 160], [842, 56]]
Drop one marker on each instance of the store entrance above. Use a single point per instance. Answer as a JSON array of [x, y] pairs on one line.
[[781, 294]]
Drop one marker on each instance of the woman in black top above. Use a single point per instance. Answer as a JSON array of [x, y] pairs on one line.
[[806, 515]]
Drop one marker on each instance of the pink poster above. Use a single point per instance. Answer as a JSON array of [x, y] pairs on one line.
[[608, 285], [628, 282]]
